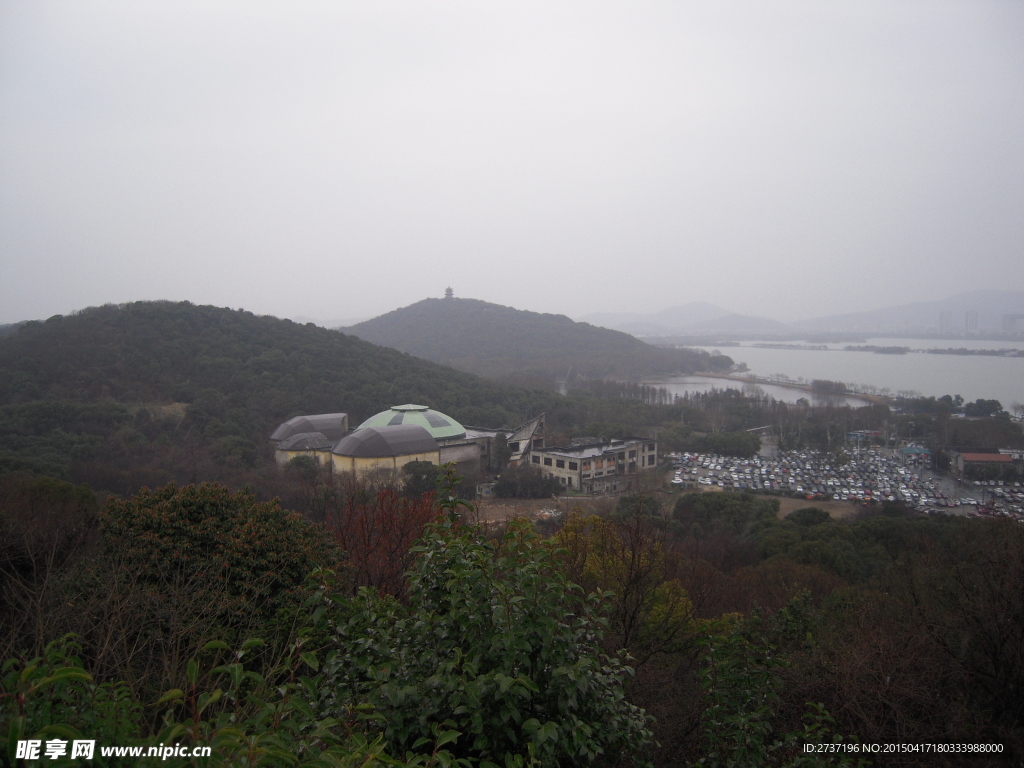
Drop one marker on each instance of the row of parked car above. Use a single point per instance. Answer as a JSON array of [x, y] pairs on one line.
[[867, 475], [1007, 500]]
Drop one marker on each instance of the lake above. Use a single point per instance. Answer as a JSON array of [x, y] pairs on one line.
[[971, 376], [680, 385]]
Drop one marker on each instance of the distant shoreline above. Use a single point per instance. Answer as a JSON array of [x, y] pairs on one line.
[[749, 378]]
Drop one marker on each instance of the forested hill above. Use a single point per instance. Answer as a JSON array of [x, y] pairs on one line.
[[150, 392], [502, 342]]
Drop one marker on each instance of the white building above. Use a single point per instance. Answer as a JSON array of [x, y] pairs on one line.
[[597, 467]]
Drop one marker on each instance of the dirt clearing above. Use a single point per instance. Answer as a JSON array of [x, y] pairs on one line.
[[837, 509]]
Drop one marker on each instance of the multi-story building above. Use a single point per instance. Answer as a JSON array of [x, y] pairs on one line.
[[597, 467], [945, 321], [971, 321], [519, 442]]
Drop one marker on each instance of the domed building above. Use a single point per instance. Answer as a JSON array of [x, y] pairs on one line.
[[331, 426], [449, 436], [440, 426], [389, 440], [389, 447]]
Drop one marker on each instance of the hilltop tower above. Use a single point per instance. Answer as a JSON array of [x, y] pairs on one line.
[[448, 294]]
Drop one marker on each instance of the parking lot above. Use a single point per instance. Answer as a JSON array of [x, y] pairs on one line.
[[867, 476]]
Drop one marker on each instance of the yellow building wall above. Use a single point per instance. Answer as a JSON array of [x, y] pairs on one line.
[[361, 466], [323, 458], [434, 457], [342, 463]]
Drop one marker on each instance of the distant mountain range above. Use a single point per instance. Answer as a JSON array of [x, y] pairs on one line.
[[696, 317], [927, 316], [981, 312], [526, 347]]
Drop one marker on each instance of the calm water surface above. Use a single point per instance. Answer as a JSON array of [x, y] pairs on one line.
[[934, 343], [681, 385], [972, 376]]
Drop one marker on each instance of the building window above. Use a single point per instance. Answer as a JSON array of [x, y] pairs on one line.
[[598, 474], [651, 447], [622, 456], [547, 462], [514, 447], [586, 465], [536, 459], [632, 454], [650, 460], [560, 463], [568, 481], [586, 475], [573, 466]]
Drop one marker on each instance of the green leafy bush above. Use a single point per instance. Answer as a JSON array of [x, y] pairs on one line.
[[249, 720], [741, 678], [495, 660], [260, 552], [51, 696], [497, 645]]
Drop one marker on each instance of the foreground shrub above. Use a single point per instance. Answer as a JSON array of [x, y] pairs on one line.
[[248, 720], [497, 645], [258, 551], [377, 533], [741, 678]]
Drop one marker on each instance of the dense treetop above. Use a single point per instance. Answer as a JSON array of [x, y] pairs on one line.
[[175, 352], [173, 385]]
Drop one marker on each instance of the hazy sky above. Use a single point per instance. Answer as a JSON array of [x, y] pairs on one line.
[[337, 160]]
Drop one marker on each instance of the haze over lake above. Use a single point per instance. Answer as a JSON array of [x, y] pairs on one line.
[[972, 376], [681, 385]]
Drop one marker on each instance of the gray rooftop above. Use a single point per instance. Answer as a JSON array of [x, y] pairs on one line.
[[333, 426], [305, 441], [473, 433], [599, 449], [386, 441]]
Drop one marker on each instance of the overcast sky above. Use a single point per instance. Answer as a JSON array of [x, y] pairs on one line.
[[338, 160]]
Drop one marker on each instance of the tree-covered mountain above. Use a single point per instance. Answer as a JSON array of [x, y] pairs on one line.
[[149, 392], [503, 342]]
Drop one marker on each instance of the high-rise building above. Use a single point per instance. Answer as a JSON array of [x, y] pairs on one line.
[[971, 321], [1010, 323], [945, 321]]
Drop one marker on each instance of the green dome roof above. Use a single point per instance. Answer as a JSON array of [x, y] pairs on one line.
[[440, 426]]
